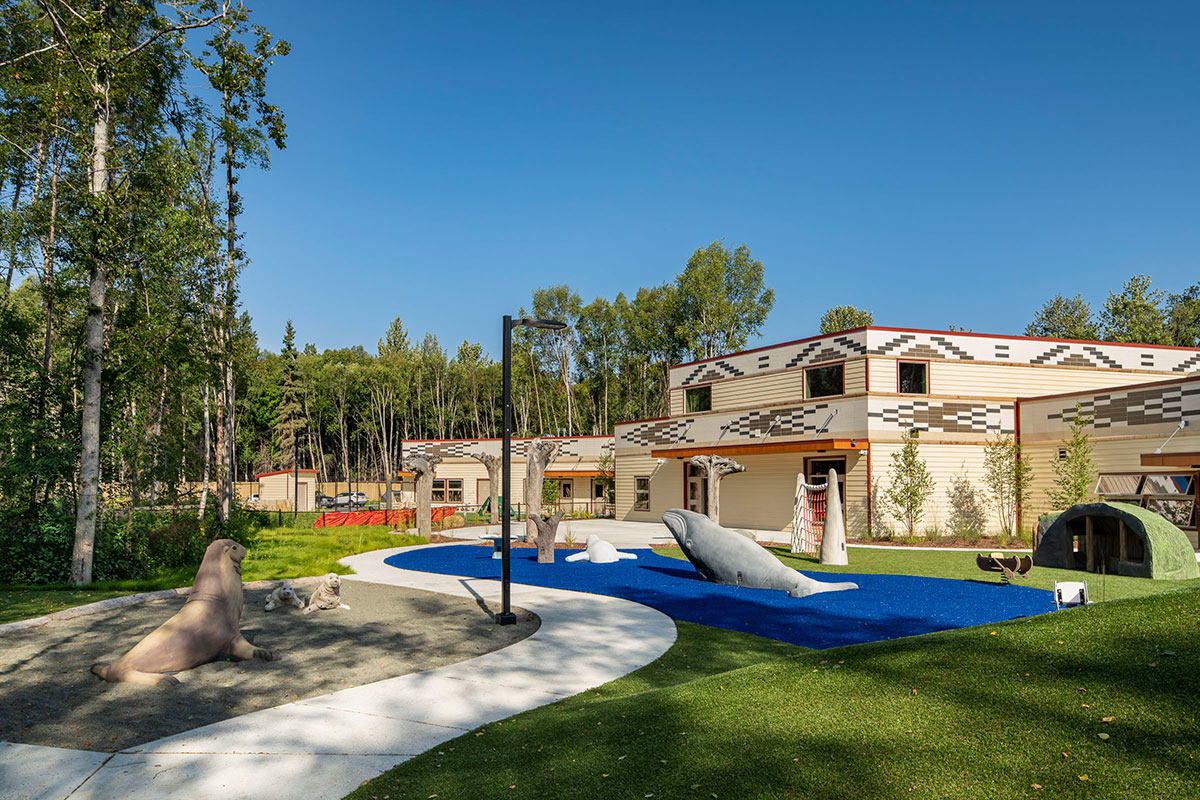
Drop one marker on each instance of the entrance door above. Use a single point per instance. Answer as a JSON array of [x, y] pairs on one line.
[[816, 472], [697, 490]]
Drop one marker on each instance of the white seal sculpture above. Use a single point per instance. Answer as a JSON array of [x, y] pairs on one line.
[[722, 556], [282, 596], [328, 595], [599, 552]]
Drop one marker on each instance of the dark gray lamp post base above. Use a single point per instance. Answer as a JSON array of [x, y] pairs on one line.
[[506, 618]]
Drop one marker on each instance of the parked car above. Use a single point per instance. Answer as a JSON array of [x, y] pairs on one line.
[[349, 500], [324, 501]]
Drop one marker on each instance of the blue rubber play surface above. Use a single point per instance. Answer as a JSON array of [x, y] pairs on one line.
[[883, 607]]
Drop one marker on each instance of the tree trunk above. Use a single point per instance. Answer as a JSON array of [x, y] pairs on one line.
[[547, 530], [493, 468], [89, 462], [541, 453], [423, 468], [716, 468], [207, 459]]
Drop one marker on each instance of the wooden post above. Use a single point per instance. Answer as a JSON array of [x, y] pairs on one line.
[[1122, 545], [1089, 543]]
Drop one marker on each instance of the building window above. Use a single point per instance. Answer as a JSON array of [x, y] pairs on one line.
[[824, 381], [697, 399], [447, 490], [1172, 496], [565, 490], [641, 494], [914, 377]]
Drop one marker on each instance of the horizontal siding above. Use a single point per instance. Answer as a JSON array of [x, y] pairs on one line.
[[944, 461], [1122, 455], [666, 486], [966, 379], [763, 497], [883, 374], [676, 402], [855, 375], [759, 390]]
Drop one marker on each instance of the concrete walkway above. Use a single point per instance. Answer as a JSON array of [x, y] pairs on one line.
[[621, 533], [324, 747]]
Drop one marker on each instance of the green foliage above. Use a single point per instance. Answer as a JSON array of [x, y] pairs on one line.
[[1183, 318], [1135, 314], [1074, 471], [723, 300], [843, 318], [967, 518], [1007, 477], [911, 486], [1064, 318], [549, 495]]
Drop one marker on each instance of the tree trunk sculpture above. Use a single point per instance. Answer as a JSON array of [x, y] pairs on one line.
[[547, 530], [493, 467], [541, 453], [716, 468], [423, 467]]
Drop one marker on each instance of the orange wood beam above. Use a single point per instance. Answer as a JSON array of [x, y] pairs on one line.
[[763, 449], [1191, 460]]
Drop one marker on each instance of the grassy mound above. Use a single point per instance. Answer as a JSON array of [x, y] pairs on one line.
[[1092, 702]]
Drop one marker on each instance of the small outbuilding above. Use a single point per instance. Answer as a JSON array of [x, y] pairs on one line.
[[1119, 539], [279, 490]]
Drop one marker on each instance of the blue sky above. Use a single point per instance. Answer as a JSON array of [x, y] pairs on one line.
[[935, 163]]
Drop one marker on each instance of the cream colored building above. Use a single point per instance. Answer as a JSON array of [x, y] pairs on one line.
[[1145, 440], [279, 490], [845, 401], [461, 480]]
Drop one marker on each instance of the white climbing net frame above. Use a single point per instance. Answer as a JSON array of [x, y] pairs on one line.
[[808, 516]]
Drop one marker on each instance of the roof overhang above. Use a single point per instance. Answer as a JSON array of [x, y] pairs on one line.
[[1191, 460], [573, 473], [763, 448], [301, 471]]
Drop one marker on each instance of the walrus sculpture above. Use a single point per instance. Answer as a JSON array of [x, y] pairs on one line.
[[722, 556], [205, 629]]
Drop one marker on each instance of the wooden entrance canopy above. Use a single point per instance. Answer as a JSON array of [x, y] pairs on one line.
[[1189, 460], [763, 448]]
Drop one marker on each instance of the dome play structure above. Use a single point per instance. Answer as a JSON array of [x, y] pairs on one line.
[[1117, 539]]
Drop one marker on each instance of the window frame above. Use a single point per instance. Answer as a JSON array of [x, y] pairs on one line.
[[808, 395], [1143, 497], [687, 392], [899, 389], [639, 504], [443, 485]]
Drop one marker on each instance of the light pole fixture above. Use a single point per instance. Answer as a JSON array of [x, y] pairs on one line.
[[506, 616]]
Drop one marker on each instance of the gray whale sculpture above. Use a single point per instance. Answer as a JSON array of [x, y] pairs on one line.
[[722, 556]]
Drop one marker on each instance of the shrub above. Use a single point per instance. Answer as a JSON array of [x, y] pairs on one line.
[[967, 520]]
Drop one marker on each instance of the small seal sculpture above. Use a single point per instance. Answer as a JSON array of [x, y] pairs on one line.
[[599, 552], [206, 628], [282, 596], [722, 556], [327, 596]]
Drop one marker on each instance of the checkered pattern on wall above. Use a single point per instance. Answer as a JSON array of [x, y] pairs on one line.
[[1153, 406], [571, 448], [947, 346], [942, 417]]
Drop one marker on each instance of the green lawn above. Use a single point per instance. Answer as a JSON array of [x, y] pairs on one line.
[[1011, 710], [277, 553], [961, 565]]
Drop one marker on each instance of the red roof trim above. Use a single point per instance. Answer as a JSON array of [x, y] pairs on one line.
[[926, 330], [286, 472], [515, 438]]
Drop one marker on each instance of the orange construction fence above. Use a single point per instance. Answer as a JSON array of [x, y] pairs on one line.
[[397, 517]]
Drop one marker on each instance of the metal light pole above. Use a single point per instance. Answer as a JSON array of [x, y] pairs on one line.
[[506, 615]]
